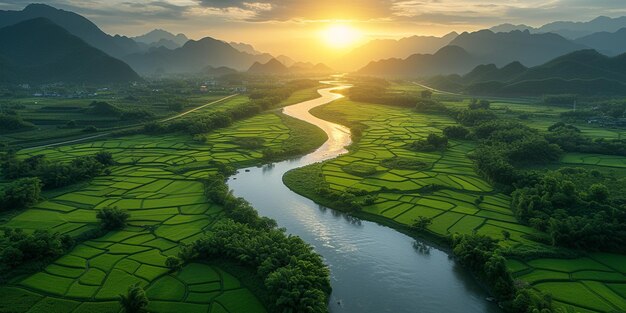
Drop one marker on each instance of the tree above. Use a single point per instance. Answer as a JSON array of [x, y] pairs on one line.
[[598, 192], [506, 234], [135, 301], [422, 222], [112, 218], [476, 104], [173, 263], [20, 194], [105, 158], [456, 132]]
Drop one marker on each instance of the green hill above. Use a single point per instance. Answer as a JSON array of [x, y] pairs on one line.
[[40, 51]]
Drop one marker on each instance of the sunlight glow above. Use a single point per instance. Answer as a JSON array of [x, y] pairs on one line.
[[340, 36]]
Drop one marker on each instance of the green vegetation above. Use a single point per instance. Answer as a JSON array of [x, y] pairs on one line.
[[461, 195], [54, 174], [112, 218], [158, 186], [20, 194]]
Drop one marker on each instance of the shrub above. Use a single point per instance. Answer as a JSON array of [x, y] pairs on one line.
[[20, 194], [112, 218]]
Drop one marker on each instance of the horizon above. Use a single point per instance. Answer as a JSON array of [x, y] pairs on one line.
[[301, 31]]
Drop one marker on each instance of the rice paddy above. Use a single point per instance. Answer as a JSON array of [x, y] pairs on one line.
[[443, 186], [157, 182]]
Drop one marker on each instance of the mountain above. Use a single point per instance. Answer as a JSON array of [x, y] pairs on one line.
[[507, 28], [77, 25], [310, 68], [218, 71], [585, 72], [40, 51], [191, 57], [491, 72], [244, 47], [522, 46], [157, 36], [287, 61], [448, 60], [570, 30], [272, 66], [608, 43], [388, 48], [584, 64]]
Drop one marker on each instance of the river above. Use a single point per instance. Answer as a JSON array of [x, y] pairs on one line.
[[373, 267]]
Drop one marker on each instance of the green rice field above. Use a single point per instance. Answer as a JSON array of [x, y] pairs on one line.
[[157, 181], [445, 187]]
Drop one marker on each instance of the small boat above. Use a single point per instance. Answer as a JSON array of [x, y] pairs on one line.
[[491, 299]]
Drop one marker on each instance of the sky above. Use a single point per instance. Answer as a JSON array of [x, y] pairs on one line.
[[299, 28]]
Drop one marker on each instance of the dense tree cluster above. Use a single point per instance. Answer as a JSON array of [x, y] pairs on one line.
[[10, 122], [473, 117], [431, 143], [105, 108], [456, 132], [20, 247], [476, 104], [576, 209], [427, 105], [54, 174], [571, 139], [20, 194], [112, 218], [507, 144], [482, 256], [295, 276]]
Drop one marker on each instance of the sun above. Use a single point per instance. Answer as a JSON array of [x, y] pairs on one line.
[[340, 36]]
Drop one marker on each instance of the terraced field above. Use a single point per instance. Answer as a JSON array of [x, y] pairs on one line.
[[443, 186], [157, 182], [408, 184]]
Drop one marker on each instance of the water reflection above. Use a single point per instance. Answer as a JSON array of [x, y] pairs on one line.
[[373, 268]]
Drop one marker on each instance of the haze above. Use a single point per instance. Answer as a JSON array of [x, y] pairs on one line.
[[293, 27]]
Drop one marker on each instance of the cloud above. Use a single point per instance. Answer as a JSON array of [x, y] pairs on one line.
[[284, 10]]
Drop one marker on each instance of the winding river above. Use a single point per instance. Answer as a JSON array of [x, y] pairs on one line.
[[373, 268]]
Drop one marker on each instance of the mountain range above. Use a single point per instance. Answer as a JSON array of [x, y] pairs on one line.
[[77, 25], [38, 50], [468, 50], [570, 30], [192, 56], [580, 72], [389, 48], [276, 67], [161, 38]]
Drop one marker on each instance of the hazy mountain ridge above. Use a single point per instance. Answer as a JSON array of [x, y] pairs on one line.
[[76, 24], [448, 60], [380, 49], [192, 56], [160, 35], [570, 30], [503, 48], [584, 71], [611, 44], [40, 51]]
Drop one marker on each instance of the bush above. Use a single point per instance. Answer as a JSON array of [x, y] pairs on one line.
[[20, 194], [432, 143], [54, 173], [112, 218], [456, 132], [21, 247]]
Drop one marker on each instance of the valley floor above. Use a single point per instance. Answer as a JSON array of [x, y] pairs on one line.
[[399, 180]]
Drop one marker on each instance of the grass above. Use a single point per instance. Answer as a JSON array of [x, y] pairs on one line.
[[444, 186]]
